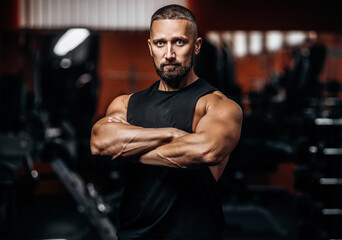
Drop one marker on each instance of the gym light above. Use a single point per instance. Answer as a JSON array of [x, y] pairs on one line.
[[70, 40], [274, 40], [240, 43], [295, 38], [255, 42]]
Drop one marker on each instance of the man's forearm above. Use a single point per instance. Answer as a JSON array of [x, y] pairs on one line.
[[120, 139], [189, 151]]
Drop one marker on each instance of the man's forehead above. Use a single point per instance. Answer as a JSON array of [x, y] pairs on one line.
[[171, 26]]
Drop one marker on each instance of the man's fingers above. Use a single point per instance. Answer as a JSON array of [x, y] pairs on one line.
[[117, 119]]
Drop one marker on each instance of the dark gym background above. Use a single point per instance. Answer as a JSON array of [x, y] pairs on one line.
[[283, 180]]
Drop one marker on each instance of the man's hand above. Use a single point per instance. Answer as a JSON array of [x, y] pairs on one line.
[[117, 119]]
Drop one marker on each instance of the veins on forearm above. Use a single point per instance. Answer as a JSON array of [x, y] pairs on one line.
[[186, 152], [123, 149], [171, 161]]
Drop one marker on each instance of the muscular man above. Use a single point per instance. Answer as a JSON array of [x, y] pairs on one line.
[[175, 137]]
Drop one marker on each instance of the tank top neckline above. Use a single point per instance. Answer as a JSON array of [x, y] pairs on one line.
[[174, 91]]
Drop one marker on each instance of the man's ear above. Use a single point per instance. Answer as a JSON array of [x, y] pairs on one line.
[[149, 46], [198, 44]]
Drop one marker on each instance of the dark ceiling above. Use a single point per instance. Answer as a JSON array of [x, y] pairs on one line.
[[267, 15]]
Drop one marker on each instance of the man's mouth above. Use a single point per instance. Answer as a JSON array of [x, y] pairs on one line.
[[170, 65]]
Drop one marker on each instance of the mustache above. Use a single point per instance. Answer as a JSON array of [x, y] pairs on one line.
[[170, 63]]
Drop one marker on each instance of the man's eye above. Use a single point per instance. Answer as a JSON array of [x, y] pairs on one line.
[[179, 42], [159, 44]]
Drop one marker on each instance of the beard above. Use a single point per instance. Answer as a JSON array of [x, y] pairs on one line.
[[173, 76]]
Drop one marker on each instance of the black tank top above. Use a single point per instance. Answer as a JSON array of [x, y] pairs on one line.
[[167, 203]]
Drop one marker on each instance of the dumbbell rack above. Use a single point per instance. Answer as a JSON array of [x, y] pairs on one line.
[[318, 207]]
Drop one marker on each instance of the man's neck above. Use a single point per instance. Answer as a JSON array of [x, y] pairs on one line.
[[186, 81]]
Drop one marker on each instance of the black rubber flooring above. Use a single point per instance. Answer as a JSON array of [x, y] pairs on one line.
[[56, 216]]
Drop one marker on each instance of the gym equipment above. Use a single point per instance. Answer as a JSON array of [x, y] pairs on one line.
[[320, 181], [303, 128], [15, 147], [68, 124], [15, 152], [216, 65], [53, 126], [90, 203]]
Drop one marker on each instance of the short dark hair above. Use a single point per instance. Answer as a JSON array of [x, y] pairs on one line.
[[175, 11]]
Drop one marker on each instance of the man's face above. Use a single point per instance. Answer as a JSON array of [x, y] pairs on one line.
[[172, 45]]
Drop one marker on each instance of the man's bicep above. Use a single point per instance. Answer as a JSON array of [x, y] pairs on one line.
[[222, 121]]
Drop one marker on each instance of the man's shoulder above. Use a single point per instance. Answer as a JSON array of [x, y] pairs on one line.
[[217, 99], [215, 95]]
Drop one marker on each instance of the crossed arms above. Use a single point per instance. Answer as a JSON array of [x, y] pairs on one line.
[[217, 128]]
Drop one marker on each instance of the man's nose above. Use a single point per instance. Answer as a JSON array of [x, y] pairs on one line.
[[169, 55]]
